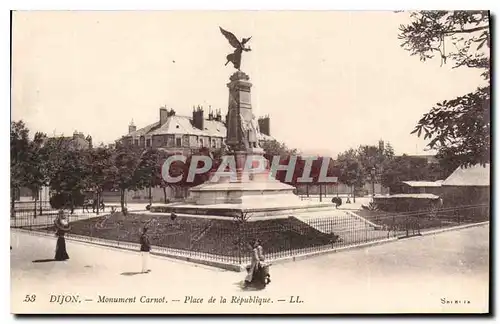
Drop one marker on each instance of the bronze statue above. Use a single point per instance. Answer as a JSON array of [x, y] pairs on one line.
[[235, 57]]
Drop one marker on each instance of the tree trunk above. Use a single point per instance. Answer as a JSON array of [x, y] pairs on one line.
[[40, 202], [98, 202], [165, 195], [13, 204], [72, 204], [34, 215], [353, 194], [150, 197], [307, 190], [122, 199]]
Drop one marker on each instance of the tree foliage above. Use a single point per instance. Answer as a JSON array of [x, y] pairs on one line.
[[19, 158], [458, 128], [351, 169], [409, 168], [274, 148]]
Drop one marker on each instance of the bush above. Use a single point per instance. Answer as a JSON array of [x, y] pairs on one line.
[[405, 204], [371, 206], [337, 201], [148, 207]]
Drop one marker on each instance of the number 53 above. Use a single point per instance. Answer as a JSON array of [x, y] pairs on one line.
[[29, 298]]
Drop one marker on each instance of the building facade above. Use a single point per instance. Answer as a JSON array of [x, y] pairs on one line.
[[176, 134], [183, 134]]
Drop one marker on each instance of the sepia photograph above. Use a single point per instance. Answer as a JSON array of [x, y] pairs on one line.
[[250, 162]]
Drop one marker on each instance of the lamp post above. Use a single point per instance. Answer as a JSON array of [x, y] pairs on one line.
[[373, 184]]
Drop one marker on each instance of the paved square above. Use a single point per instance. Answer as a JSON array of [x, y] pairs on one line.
[[446, 272]]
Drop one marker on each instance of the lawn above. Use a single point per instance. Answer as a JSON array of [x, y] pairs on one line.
[[424, 219], [214, 236]]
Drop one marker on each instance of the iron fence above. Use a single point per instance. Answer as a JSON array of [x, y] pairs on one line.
[[229, 241], [28, 219]]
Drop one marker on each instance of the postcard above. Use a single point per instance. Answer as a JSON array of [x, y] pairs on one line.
[[250, 162]]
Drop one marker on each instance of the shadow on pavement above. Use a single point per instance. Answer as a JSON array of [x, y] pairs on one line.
[[131, 273], [251, 287], [44, 260]]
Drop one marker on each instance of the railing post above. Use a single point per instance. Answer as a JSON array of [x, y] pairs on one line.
[[407, 224], [394, 229]]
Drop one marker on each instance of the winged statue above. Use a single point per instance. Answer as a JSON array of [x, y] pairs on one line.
[[235, 57]]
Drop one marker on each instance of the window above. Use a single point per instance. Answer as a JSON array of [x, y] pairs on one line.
[[136, 142], [178, 142], [148, 142]]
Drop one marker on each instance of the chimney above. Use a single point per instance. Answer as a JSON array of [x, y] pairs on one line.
[[78, 135], [198, 120], [163, 115], [264, 125], [211, 115], [131, 127], [171, 112]]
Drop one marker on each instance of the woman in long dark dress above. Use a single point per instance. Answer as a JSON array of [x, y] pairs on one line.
[[62, 226], [258, 270]]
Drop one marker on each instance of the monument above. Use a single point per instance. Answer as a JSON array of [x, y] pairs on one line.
[[252, 189]]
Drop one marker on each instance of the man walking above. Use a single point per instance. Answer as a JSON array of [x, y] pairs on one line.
[[145, 248]]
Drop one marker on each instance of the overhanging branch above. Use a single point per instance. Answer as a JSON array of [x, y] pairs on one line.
[[465, 31]]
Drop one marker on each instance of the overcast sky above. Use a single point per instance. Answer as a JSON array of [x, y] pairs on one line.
[[328, 80]]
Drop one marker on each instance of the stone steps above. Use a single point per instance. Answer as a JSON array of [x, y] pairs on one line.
[[335, 221]]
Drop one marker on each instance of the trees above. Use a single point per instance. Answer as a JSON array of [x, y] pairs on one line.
[[406, 168], [458, 128], [19, 157], [375, 160], [122, 173], [69, 177], [148, 172], [351, 170], [99, 168], [274, 148], [367, 163], [36, 172], [332, 170], [176, 169]]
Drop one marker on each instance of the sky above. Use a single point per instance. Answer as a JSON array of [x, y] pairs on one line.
[[329, 80]]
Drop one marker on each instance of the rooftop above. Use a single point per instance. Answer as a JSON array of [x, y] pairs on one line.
[[177, 124], [474, 176], [423, 183]]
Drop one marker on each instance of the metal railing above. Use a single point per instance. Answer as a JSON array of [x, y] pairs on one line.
[[26, 217], [229, 241]]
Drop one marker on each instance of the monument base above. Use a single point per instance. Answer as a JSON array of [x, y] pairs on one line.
[[259, 200], [256, 193], [251, 210]]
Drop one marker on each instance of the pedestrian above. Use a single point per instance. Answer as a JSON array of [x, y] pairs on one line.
[[62, 226], [257, 271], [145, 249]]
